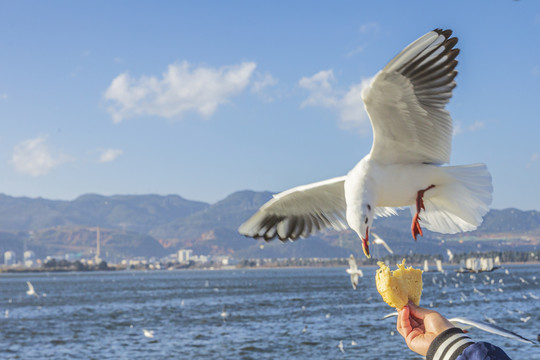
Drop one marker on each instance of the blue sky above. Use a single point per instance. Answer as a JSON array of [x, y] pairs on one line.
[[204, 98]]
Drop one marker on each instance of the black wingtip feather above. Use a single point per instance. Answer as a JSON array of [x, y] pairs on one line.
[[447, 33]]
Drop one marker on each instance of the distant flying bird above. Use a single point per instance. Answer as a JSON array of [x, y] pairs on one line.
[[31, 290], [494, 329], [354, 271], [450, 255], [378, 241], [412, 134], [340, 346], [466, 323], [148, 333]]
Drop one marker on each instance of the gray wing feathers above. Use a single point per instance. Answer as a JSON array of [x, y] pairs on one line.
[[300, 212], [406, 102]]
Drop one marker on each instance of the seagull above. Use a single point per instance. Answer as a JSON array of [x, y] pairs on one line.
[[378, 241], [462, 322], [450, 255], [466, 323], [340, 346], [148, 333], [412, 134], [224, 314], [31, 290], [354, 271]]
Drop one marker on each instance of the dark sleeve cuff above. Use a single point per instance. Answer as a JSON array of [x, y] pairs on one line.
[[448, 345]]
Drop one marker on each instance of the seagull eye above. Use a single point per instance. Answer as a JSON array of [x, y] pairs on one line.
[[369, 207], [365, 221]]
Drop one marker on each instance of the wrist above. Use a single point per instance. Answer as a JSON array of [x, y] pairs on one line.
[[448, 345]]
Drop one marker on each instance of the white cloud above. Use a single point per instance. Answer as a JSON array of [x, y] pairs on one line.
[[353, 112], [321, 90], [181, 89], [459, 129], [3, 96], [35, 158], [534, 159], [263, 82], [358, 50], [370, 27], [348, 104], [108, 155]]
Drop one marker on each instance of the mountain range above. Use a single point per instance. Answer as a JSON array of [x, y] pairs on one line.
[[155, 225]]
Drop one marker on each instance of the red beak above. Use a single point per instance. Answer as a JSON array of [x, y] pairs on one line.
[[365, 244]]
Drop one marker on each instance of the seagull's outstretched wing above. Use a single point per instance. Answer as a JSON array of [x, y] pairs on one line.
[[494, 329], [466, 323], [354, 280], [354, 272], [405, 102], [31, 290], [352, 264], [377, 240], [392, 314], [299, 212]]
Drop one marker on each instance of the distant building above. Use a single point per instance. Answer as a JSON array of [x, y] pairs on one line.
[[29, 258], [9, 258], [184, 255], [72, 256], [200, 258]]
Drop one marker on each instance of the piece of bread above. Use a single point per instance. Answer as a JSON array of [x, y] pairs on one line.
[[399, 286]]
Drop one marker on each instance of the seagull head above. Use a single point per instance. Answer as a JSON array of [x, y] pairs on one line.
[[360, 221]]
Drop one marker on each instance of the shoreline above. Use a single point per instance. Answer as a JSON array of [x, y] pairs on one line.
[[114, 268]]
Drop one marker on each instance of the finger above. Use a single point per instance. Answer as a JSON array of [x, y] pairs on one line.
[[414, 338], [415, 322], [419, 312], [403, 323]]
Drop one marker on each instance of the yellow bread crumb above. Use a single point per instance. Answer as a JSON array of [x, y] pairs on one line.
[[399, 286]]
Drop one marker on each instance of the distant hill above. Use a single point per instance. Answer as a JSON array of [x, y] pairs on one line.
[[154, 225], [138, 213]]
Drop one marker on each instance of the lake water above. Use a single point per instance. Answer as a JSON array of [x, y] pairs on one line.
[[270, 313]]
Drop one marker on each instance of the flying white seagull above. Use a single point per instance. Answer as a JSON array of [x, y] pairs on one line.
[[466, 323], [31, 290], [377, 240], [148, 333], [354, 271], [412, 134], [450, 255]]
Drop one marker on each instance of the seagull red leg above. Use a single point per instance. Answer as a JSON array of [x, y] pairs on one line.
[[415, 226]]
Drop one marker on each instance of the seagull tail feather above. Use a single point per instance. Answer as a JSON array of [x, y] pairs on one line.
[[461, 204]]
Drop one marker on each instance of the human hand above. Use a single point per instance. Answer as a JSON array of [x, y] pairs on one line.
[[419, 326]]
